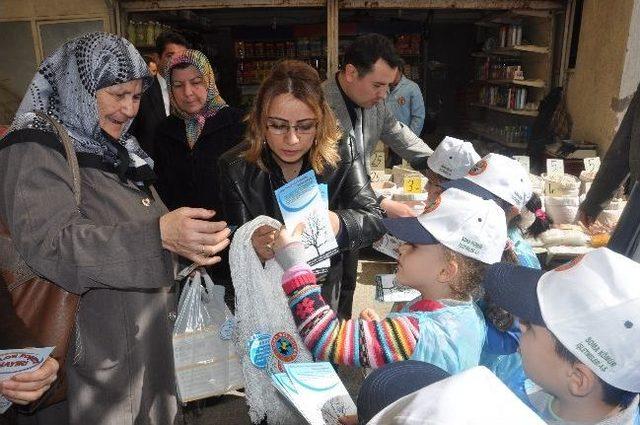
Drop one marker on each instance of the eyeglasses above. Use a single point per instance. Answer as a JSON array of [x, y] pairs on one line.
[[284, 128]]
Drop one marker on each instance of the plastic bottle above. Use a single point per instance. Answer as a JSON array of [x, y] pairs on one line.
[[131, 32], [140, 35], [150, 38]]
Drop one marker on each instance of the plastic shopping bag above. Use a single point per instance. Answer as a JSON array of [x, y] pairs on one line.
[[206, 362]]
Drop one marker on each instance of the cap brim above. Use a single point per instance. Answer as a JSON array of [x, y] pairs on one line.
[[514, 288], [410, 230], [392, 382], [468, 186]]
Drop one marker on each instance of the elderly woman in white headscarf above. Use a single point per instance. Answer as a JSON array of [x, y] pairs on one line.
[[115, 248]]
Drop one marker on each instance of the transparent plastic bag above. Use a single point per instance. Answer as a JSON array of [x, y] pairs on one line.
[[206, 362]]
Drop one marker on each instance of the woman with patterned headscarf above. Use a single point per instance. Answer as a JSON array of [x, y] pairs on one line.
[[114, 247], [189, 142]]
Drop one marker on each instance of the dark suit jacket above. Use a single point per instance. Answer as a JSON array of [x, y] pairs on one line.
[[189, 177], [150, 115]]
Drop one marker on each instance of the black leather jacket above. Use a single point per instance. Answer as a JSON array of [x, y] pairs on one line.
[[247, 191]]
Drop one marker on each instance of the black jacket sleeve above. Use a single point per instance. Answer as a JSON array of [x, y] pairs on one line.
[[615, 165], [162, 166], [234, 210], [359, 209]]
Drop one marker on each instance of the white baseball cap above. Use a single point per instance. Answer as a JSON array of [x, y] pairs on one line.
[[504, 177], [462, 222], [473, 397], [453, 158], [591, 304]]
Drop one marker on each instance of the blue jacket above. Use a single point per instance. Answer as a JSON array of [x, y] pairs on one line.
[[524, 252], [451, 337], [407, 105], [500, 351]]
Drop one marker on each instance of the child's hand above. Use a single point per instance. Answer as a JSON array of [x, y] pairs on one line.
[[369, 314], [284, 238]]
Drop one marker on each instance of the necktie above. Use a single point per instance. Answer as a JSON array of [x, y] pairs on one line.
[[358, 133]]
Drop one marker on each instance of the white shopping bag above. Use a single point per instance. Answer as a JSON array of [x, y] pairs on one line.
[[206, 361]]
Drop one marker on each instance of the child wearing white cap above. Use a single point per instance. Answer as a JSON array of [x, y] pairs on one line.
[[473, 397], [445, 253], [505, 181], [451, 160], [580, 335]]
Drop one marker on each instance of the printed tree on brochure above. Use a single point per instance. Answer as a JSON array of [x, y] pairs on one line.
[[315, 232]]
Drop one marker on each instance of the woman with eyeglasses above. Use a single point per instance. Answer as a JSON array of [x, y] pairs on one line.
[[291, 130]]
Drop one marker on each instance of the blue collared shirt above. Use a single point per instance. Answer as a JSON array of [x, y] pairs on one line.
[[407, 105]]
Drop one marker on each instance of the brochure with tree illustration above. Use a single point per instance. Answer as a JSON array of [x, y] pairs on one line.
[[303, 200]]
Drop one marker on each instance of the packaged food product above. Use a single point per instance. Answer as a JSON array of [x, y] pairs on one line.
[[557, 237], [586, 179], [537, 184], [399, 172], [384, 188], [562, 209], [402, 197], [565, 185]]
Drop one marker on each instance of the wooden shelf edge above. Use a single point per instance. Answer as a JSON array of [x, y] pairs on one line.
[[528, 83], [513, 51], [532, 48], [512, 16], [498, 139], [522, 112]]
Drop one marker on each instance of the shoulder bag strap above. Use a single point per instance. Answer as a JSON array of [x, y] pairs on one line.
[[72, 160]]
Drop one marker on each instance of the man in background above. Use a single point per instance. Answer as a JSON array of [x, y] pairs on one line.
[[406, 102], [356, 95], [407, 105]]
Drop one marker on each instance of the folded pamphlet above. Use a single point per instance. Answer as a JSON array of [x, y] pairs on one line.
[[315, 391], [303, 200]]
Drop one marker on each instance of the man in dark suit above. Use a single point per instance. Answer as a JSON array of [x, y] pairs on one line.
[[357, 96], [155, 105]]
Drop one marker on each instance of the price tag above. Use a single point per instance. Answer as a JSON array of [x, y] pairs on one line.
[[412, 184], [377, 176], [592, 164], [555, 167], [377, 160], [524, 160]]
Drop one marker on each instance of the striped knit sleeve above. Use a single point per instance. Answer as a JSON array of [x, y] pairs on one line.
[[353, 342]]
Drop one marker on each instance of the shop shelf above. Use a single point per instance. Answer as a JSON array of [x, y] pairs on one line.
[[523, 112]]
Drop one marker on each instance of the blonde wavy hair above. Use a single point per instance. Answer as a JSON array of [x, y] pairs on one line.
[[303, 82]]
